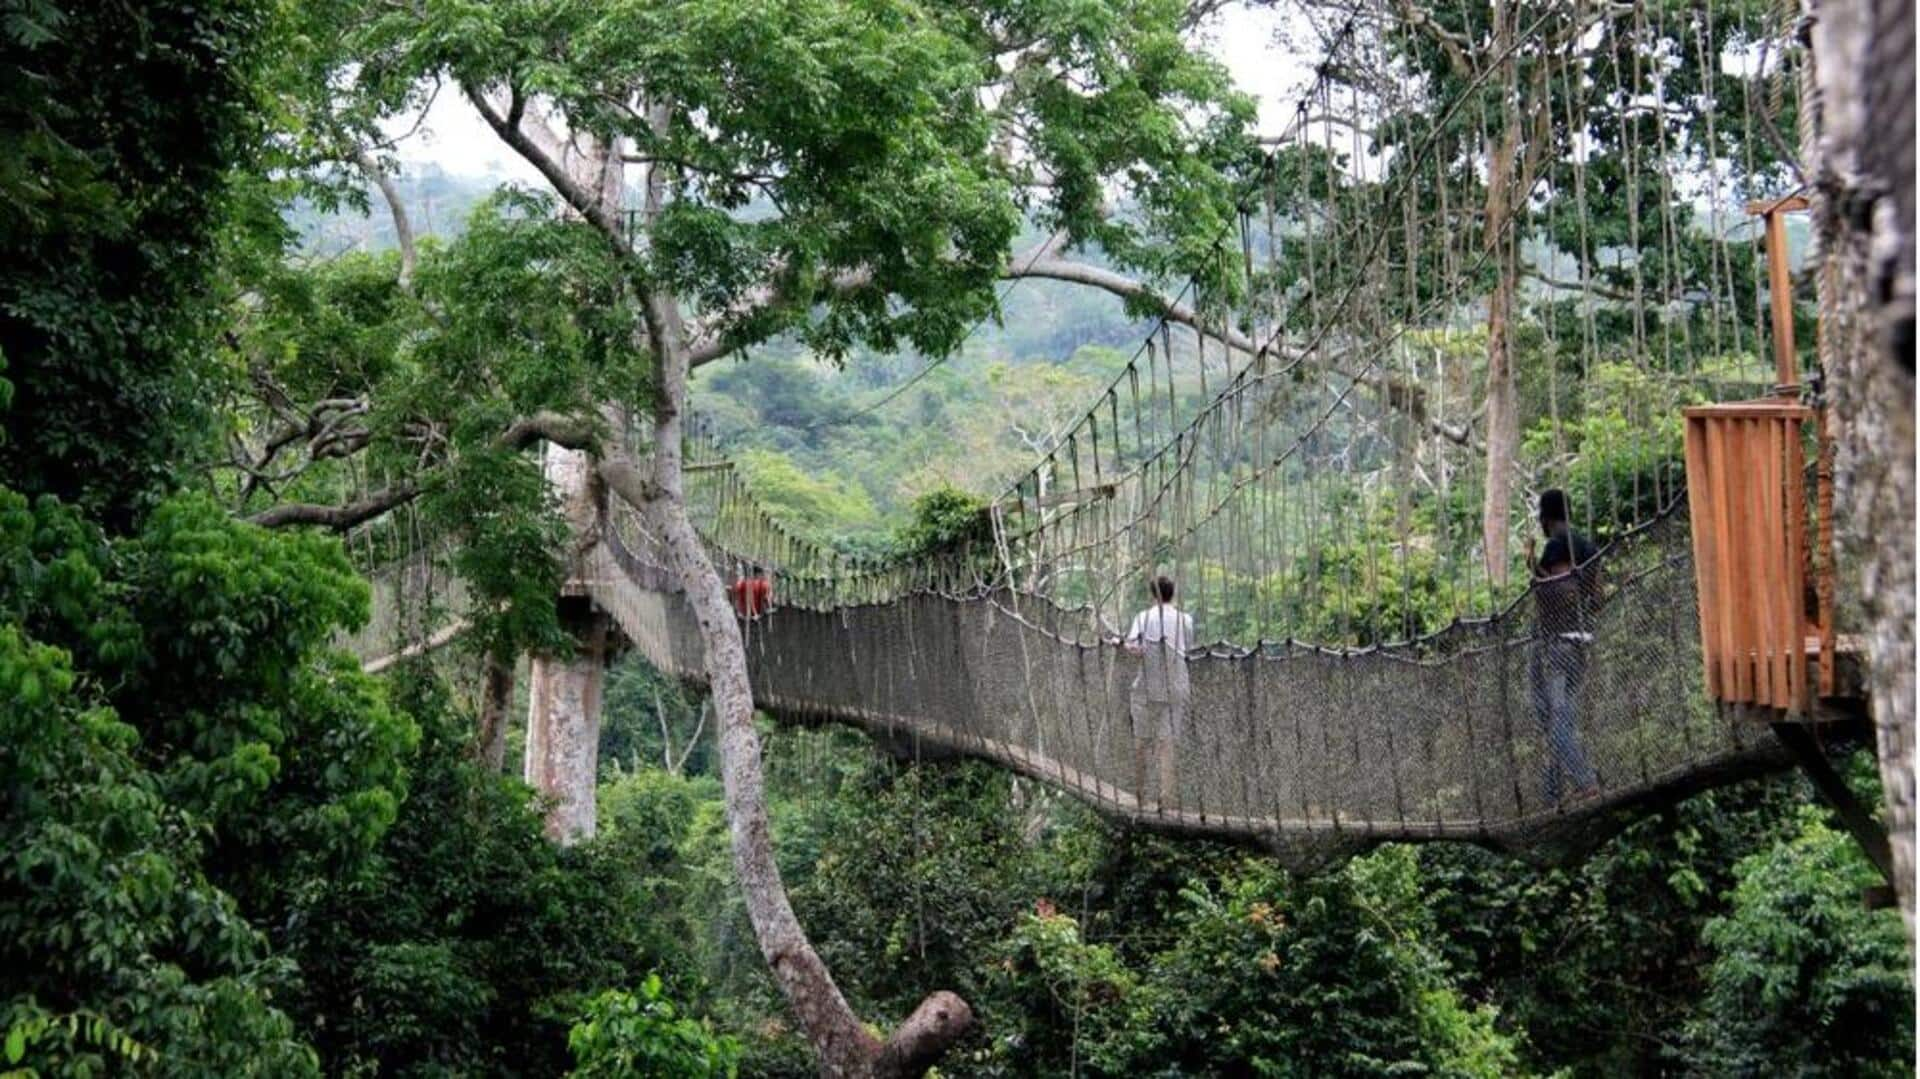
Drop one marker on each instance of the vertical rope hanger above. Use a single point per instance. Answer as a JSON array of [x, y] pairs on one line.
[[1635, 47], [1720, 262], [1671, 256]]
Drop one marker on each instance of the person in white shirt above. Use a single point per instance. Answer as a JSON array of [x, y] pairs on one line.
[[1161, 635]]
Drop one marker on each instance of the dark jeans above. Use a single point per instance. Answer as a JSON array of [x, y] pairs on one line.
[[1558, 670]]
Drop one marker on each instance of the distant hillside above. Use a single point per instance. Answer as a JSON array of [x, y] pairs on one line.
[[818, 438], [438, 203], [845, 450]]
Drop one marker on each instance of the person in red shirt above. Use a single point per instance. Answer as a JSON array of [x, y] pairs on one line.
[[752, 596]]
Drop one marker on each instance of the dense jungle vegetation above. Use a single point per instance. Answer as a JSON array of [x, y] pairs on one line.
[[226, 850]]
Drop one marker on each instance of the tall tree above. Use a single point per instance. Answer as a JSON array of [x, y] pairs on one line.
[[1864, 59], [846, 171], [1561, 153]]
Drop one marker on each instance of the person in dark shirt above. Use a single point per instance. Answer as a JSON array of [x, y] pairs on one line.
[[1566, 582]]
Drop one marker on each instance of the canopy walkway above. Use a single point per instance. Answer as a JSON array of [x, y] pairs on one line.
[[1296, 447], [1304, 750]]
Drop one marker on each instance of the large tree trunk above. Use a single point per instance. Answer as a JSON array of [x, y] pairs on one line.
[[563, 725], [593, 184], [836, 1033], [1503, 426], [1864, 60], [563, 707], [1503, 420]]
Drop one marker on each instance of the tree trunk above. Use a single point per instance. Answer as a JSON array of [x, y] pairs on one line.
[[402, 225], [843, 1043], [1503, 421], [837, 1035], [496, 698], [563, 725], [1864, 63], [1503, 429], [563, 709]]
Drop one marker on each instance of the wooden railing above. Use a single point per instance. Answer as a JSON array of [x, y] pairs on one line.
[[1754, 538], [1746, 467]]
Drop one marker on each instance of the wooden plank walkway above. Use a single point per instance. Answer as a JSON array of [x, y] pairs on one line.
[[1554, 833], [1547, 832]]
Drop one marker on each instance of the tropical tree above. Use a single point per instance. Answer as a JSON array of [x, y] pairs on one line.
[[119, 132], [1572, 163], [846, 171]]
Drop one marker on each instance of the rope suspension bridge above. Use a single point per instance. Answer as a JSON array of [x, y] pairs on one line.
[[1315, 443]]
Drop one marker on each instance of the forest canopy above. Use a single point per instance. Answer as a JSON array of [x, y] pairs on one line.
[[888, 254]]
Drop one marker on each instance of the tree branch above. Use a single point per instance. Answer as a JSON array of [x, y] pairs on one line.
[[680, 764], [1411, 400], [555, 427], [531, 148], [918, 1043], [338, 518], [402, 225], [1127, 288], [320, 427], [708, 341], [1603, 291], [1041, 261], [1457, 48]]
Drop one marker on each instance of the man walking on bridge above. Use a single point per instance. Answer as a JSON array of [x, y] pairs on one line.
[[1566, 584], [1160, 636]]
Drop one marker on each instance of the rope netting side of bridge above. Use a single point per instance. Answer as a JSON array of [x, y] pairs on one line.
[[1306, 750], [1301, 455]]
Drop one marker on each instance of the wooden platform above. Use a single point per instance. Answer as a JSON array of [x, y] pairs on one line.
[[1847, 703]]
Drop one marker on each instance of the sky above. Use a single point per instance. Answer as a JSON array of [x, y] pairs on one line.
[[455, 138]]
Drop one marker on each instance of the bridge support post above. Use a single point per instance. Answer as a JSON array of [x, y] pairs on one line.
[[563, 723], [563, 710], [1860, 823]]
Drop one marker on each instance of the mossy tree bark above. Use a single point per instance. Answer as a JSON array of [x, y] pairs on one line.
[[1864, 171]]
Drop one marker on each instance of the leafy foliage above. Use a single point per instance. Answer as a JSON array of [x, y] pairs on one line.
[[216, 812], [226, 850], [944, 520], [118, 128], [811, 503], [467, 940], [1084, 946], [642, 1035], [894, 428], [1802, 970], [1329, 976], [520, 315], [119, 942], [651, 720]]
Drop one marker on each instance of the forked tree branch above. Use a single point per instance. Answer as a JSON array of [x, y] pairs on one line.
[[341, 517], [554, 427], [537, 153], [1041, 261]]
